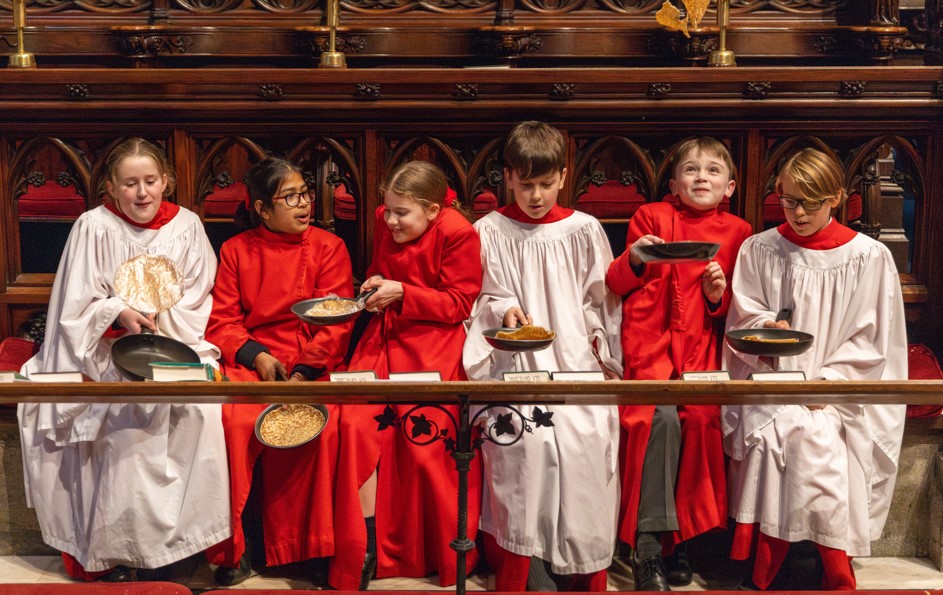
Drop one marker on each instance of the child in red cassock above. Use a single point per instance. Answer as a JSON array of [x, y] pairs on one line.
[[281, 260], [427, 273], [673, 482]]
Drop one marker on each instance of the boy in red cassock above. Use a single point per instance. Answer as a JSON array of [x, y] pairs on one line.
[[427, 273], [281, 260], [673, 482]]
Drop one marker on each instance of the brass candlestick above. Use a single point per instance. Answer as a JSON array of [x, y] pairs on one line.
[[332, 58], [722, 56], [20, 59]]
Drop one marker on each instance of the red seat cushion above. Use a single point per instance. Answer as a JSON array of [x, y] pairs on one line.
[[345, 206], [15, 351], [610, 200], [50, 202], [923, 365], [484, 203], [223, 201]]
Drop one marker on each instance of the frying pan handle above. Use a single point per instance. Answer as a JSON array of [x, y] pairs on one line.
[[364, 295], [784, 314]]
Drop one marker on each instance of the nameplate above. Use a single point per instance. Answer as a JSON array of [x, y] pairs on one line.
[[11, 377], [531, 376], [182, 372], [706, 376], [357, 376], [56, 377], [588, 376], [416, 377], [777, 376]]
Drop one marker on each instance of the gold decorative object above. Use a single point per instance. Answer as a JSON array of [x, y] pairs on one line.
[[332, 58], [20, 59], [670, 16]]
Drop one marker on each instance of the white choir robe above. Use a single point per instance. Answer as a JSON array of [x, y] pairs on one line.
[[555, 493], [112, 483], [826, 475]]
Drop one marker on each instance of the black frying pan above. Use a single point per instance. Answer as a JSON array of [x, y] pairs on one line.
[[798, 343], [133, 354]]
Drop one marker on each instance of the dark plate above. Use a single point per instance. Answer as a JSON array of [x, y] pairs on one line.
[[677, 252], [511, 344], [737, 342], [133, 354], [300, 308], [271, 408]]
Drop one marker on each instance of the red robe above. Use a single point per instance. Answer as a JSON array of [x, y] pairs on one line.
[[417, 493], [668, 329], [261, 274]]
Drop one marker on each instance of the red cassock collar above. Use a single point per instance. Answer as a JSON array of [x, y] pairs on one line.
[[831, 236], [556, 213], [165, 214]]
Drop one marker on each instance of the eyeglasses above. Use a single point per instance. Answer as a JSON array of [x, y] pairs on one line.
[[294, 199], [788, 202]]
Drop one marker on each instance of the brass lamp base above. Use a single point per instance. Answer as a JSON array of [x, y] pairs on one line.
[[333, 60], [722, 58], [22, 60]]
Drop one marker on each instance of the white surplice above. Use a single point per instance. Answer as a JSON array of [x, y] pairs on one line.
[[555, 493], [824, 475], [140, 485]]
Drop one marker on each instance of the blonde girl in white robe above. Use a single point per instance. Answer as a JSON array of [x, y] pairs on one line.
[[117, 484], [818, 473]]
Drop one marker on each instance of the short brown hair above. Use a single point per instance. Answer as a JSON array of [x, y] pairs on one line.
[[534, 149], [816, 174], [701, 144], [138, 147]]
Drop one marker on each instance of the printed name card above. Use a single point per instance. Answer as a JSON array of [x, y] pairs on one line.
[[182, 372], [56, 377], [433, 376], [588, 376], [10, 377], [777, 376], [357, 376], [530, 376], [706, 376]]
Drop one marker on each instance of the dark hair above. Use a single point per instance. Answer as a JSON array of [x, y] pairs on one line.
[[138, 147], [701, 144], [534, 149], [262, 182], [422, 182]]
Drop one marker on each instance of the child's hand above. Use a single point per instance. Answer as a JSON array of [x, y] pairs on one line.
[[269, 368], [646, 240], [780, 324], [388, 292], [514, 316], [713, 282], [297, 377], [609, 374], [135, 322]]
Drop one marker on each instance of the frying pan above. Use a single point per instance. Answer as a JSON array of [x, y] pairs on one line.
[[677, 252], [271, 408], [512, 344], [301, 308], [760, 348], [133, 354]]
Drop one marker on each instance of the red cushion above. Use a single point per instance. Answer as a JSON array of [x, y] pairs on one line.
[[484, 203], [773, 213], [51, 201], [15, 351], [345, 207], [854, 207], [612, 199], [923, 365], [223, 201], [95, 589]]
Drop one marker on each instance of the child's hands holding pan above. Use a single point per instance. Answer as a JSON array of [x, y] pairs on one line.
[[646, 240], [515, 316], [388, 291]]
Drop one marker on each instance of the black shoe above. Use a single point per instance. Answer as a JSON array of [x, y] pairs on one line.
[[227, 577], [749, 585], [118, 574], [157, 575], [649, 574], [678, 568], [368, 571]]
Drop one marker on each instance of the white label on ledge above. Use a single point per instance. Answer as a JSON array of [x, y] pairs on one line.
[[777, 376], [530, 376], [56, 377], [360, 376], [416, 377], [7, 376], [588, 376], [711, 375]]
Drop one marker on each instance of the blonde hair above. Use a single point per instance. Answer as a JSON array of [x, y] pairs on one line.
[[138, 147], [816, 174], [534, 149], [422, 182]]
